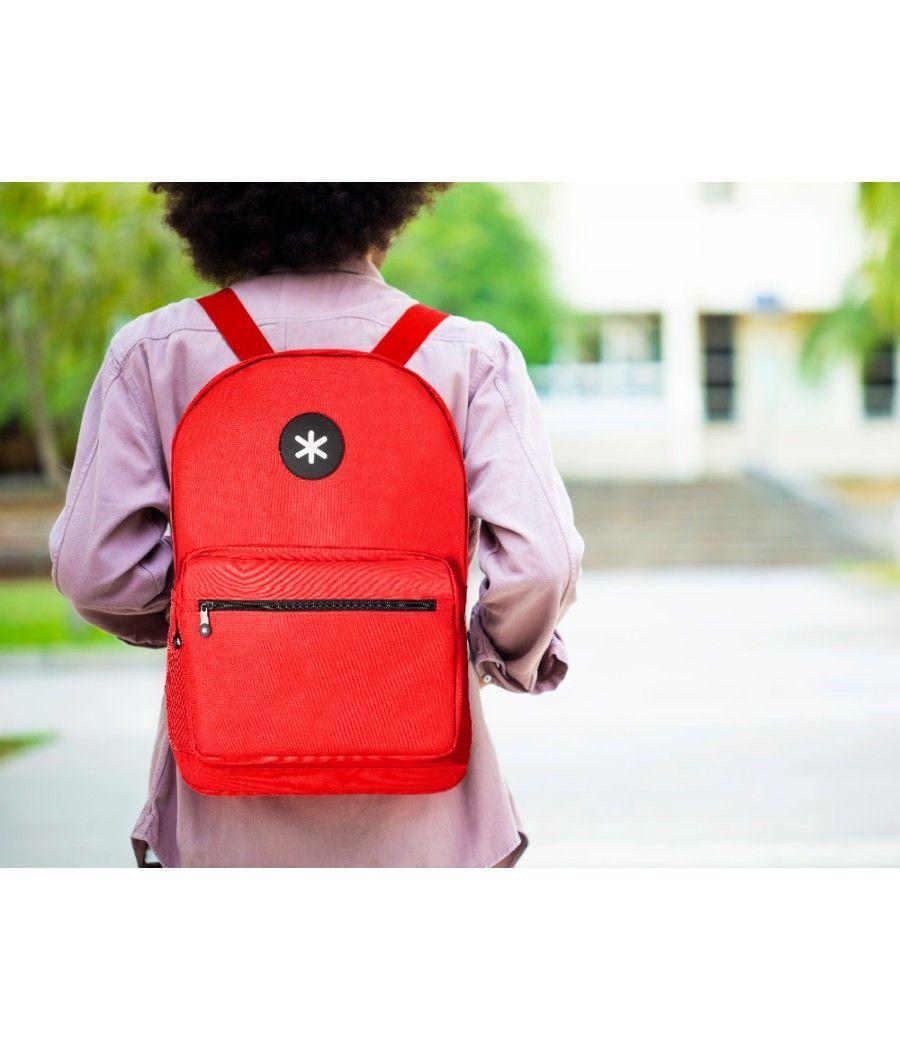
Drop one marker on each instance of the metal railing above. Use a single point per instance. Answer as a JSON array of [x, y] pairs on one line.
[[608, 379]]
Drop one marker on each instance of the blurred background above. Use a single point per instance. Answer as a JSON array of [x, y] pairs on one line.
[[718, 368]]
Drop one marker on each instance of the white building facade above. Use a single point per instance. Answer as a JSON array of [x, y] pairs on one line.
[[691, 303]]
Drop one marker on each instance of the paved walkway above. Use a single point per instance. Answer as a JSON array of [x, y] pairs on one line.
[[713, 716]]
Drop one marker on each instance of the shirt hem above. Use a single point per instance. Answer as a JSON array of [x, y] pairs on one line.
[[143, 839], [513, 853]]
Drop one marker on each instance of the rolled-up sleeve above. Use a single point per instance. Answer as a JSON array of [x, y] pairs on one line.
[[529, 550], [109, 549]]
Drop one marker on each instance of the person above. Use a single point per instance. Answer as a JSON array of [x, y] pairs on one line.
[[304, 260]]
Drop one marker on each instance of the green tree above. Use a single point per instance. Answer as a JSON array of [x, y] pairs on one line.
[[76, 262], [472, 254], [868, 317]]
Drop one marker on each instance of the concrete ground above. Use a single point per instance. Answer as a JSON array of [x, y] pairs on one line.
[[712, 716]]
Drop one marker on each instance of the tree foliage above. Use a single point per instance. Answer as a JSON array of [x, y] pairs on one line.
[[76, 262], [868, 318], [880, 207], [472, 254]]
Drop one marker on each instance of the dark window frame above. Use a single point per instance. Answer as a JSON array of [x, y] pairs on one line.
[[878, 377], [719, 353]]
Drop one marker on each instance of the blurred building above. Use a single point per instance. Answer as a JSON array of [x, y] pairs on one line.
[[691, 302]]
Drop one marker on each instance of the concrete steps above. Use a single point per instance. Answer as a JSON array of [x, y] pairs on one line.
[[28, 510], [743, 521]]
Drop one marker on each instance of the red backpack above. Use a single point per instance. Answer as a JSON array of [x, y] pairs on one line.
[[320, 522]]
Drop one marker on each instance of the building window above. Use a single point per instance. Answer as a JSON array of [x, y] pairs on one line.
[[614, 356], [879, 380], [718, 365], [619, 339], [717, 192], [587, 340]]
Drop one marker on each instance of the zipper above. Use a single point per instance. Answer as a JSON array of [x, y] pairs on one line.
[[312, 605]]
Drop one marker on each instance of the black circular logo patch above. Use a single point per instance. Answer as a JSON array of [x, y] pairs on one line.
[[311, 446]]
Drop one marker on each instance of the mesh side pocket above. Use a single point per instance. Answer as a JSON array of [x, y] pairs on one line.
[[176, 710]]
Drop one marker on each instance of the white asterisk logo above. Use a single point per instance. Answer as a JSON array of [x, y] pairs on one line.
[[309, 447]]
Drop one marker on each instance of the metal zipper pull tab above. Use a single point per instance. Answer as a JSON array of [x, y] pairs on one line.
[[205, 627]]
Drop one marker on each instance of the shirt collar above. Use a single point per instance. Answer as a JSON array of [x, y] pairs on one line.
[[358, 265], [312, 290]]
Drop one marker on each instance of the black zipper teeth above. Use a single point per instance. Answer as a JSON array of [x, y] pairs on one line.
[[322, 605]]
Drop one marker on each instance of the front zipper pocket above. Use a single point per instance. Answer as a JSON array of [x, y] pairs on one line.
[[331, 656], [311, 605]]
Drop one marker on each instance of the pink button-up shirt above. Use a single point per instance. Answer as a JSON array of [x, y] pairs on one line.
[[112, 556]]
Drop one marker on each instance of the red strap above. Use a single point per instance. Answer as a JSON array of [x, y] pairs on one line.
[[235, 325], [408, 333]]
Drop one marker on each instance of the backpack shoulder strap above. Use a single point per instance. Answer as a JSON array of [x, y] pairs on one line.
[[401, 341], [235, 325], [245, 339]]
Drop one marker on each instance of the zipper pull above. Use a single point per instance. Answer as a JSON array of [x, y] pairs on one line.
[[205, 627]]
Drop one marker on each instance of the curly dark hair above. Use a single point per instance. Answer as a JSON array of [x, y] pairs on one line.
[[235, 229]]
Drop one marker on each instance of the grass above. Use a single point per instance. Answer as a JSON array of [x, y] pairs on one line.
[[9, 745], [34, 614], [866, 492], [881, 573]]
